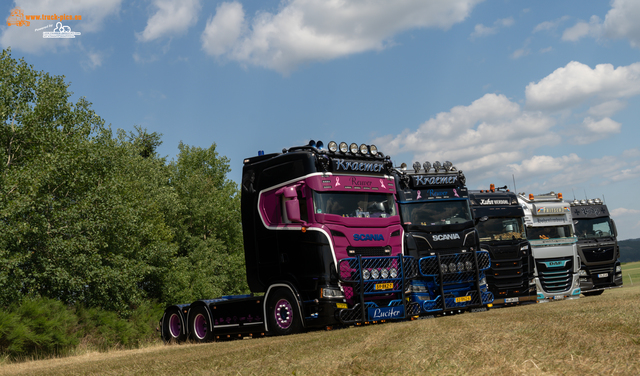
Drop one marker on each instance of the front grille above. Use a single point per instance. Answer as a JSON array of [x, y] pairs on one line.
[[598, 254], [369, 251], [509, 273], [432, 266], [555, 279]]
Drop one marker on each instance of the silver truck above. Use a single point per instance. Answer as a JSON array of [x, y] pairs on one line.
[[550, 231]]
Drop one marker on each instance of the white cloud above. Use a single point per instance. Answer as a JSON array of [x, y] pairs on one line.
[[622, 21], [520, 53], [577, 83], [543, 164], [621, 212], [482, 31], [223, 29], [595, 130], [305, 31], [582, 29], [607, 108], [172, 17], [549, 25], [25, 39], [481, 137]]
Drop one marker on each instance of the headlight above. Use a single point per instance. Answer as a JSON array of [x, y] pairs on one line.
[[375, 273], [333, 147], [384, 273], [618, 269], [582, 272], [373, 150], [452, 267], [332, 293], [364, 149], [366, 274], [524, 247], [468, 265], [460, 266], [445, 268], [393, 272], [426, 166], [344, 147], [353, 148]]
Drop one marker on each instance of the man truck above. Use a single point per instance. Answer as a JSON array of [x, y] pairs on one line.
[[440, 233], [323, 246], [500, 224], [597, 246], [550, 232]]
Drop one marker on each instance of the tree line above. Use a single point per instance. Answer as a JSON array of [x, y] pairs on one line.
[[96, 218]]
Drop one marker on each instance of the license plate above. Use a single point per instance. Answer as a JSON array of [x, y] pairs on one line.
[[463, 299], [603, 275], [512, 300], [341, 305], [384, 286], [386, 313], [558, 297]]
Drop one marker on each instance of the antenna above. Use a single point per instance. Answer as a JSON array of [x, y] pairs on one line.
[[585, 194], [603, 200], [514, 184], [574, 194]]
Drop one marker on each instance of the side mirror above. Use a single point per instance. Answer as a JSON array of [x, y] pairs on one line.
[[291, 203], [482, 219], [615, 230]]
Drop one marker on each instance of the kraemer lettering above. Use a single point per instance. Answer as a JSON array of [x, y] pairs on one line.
[[422, 180], [345, 165]]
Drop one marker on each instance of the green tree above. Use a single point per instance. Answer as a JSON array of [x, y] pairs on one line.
[[208, 231]]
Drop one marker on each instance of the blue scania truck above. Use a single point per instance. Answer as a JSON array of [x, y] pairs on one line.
[[323, 247], [440, 233]]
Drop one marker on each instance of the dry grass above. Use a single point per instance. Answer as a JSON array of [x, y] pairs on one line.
[[594, 335]]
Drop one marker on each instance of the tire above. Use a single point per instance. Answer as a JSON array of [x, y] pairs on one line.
[[283, 313], [201, 329], [593, 293], [173, 328]]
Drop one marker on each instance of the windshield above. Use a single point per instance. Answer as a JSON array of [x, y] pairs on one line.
[[593, 228], [501, 229], [434, 213], [549, 232], [355, 204]]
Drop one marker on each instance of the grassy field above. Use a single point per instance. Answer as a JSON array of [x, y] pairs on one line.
[[591, 335]]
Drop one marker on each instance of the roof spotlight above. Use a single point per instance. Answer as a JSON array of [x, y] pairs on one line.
[[590, 202], [364, 150], [333, 147], [344, 147], [437, 166], [353, 148], [373, 150], [598, 201], [583, 202], [312, 143], [448, 166], [575, 202], [403, 166], [426, 166], [319, 145], [416, 166]]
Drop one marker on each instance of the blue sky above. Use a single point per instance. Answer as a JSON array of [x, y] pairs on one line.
[[546, 92]]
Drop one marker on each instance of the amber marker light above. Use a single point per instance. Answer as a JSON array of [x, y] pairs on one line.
[[531, 196], [304, 229], [560, 196], [492, 187]]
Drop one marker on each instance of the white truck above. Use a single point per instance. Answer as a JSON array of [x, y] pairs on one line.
[[550, 231]]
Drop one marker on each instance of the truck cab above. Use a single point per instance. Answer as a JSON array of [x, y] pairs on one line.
[[440, 233], [323, 246], [597, 246], [500, 224], [550, 231]]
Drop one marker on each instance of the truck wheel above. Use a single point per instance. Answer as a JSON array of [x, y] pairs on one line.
[[200, 325], [283, 313], [173, 326], [593, 293]]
